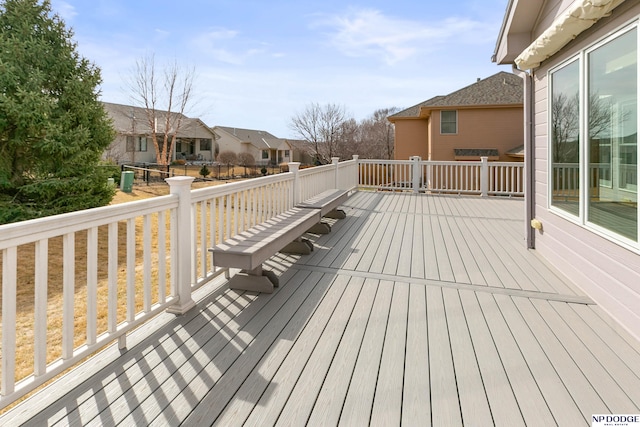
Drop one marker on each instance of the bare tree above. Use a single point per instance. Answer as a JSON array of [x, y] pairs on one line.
[[321, 126], [165, 98], [227, 157], [378, 135], [246, 159]]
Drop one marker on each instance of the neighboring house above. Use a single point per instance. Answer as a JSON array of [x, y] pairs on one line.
[[581, 147], [133, 143], [302, 151], [263, 146], [483, 119]]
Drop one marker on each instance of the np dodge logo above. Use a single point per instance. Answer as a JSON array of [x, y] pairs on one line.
[[615, 420]]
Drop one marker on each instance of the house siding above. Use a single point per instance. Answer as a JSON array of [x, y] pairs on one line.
[[500, 128], [606, 271], [414, 135]]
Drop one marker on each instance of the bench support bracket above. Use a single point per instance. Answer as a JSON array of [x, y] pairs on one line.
[[336, 214], [255, 280]]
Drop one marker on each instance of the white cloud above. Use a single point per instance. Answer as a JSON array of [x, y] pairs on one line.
[[367, 32], [66, 11], [223, 45]]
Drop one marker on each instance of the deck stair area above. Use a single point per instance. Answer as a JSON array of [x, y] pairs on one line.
[[415, 310]]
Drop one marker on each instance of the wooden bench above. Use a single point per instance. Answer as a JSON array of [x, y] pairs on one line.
[[249, 249], [327, 203]]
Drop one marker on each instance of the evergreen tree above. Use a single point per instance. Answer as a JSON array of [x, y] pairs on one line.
[[53, 129]]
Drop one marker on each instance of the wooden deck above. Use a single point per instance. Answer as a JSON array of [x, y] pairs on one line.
[[414, 310]]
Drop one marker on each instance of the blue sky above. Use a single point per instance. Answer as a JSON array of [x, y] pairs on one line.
[[258, 63]]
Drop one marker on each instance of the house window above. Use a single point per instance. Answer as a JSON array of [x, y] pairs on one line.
[[265, 154], [594, 129], [141, 143], [131, 143], [565, 138], [205, 144], [448, 122], [286, 153]]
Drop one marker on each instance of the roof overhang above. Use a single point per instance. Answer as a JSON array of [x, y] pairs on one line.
[[581, 15], [517, 25]]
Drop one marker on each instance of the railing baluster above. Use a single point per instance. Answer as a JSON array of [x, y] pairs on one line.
[[68, 294], [9, 294], [40, 309], [113, 278], [92, 285], [146, 255], [162, 257], [131, 269]]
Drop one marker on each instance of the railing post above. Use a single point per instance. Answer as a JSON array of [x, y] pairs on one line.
[[484, 176], [294, 168], [335, 161], [181, 185], [357, 179], [416, 173]]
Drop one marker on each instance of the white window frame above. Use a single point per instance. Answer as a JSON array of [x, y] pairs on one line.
[[581, 219]]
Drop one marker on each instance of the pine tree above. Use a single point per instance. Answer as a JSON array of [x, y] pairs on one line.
[[53, 129]]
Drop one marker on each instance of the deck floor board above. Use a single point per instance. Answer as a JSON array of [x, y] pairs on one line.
[[414, 310]]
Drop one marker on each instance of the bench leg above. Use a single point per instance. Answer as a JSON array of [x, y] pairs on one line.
[[298, 247], [336, 214], [320, 228], [255, 280]]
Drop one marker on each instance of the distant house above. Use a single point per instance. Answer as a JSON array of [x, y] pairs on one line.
[[483, 119], [579, 64], [265, 148], [133, 143], [302, 151]]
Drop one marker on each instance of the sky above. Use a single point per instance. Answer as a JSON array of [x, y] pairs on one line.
[[259, 63]]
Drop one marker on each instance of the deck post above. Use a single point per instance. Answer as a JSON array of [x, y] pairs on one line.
[[484, 176], [181, 185], [335, 161], [416, 173], [294, 168], [357, 177]]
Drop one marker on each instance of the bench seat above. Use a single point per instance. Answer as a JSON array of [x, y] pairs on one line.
[[327, 202], [249, 249]]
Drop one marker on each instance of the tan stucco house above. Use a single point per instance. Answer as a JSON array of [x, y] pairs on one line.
[[579, 64], [482, 119], [265, 148], [133, 144]]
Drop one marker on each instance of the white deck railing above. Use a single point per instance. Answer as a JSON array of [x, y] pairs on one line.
[[92, 276], [484, 178]]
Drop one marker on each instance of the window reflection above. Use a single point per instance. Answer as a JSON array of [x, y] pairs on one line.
[[565, 138], [612, 127]]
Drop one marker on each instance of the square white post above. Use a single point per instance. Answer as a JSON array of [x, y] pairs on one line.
[[294, 168], [335, 161], [484, 176], [181, 185]]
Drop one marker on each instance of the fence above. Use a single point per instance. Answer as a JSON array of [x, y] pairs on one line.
[[484, 178]]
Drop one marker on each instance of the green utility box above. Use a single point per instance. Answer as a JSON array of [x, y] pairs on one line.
[[126, 181]]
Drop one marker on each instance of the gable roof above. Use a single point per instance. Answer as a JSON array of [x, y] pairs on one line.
[[502, 88], [260, 139], [132, 120]]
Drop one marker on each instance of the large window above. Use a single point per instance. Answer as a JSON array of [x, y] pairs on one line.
[[565, 138], [448, 122], [594, 136]]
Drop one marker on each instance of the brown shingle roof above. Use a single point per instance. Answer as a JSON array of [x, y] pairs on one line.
[[258, 138], [132, 120], [500, 89]]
